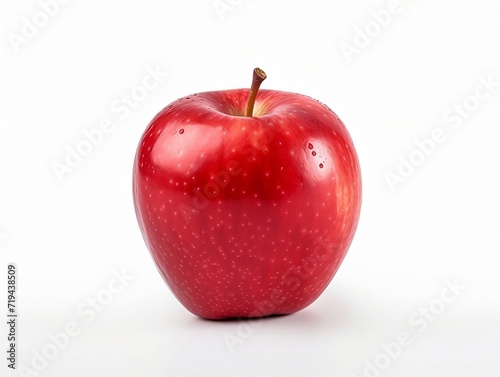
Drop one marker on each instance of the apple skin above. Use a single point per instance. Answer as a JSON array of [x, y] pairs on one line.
[[247, 216]]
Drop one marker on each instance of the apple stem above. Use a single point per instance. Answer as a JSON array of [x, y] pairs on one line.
[[258, 76]]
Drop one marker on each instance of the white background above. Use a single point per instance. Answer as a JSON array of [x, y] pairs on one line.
[[441, 224]]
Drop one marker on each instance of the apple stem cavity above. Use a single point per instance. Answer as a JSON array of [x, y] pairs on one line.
[[258, 76]]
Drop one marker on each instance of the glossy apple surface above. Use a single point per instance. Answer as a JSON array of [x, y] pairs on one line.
[[247, 216]]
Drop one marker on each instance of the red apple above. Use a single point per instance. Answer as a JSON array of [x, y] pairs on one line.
[[247, 212]]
